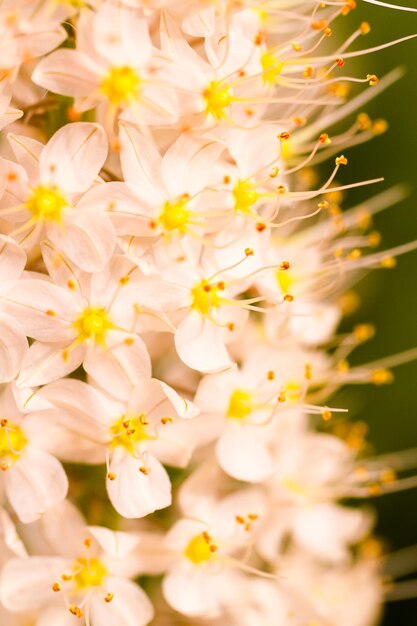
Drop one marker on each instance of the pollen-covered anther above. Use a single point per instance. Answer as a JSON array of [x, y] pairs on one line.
[[75, 610], [288, 297], [341, 160], [109, 597], [319, 25], [340, 62], [111, 476], [230, 326], [324, 138], [365, 28], [364, 121], [379, 127], [372, 79], [388, 262], [143, 420], [284, 136], [281, 190], [51, 313], [323, 205], [328, 32], [87, 543], [274, 172], [4, 466], [388, 475], [308, 371], [382, 377], [260, 227], [221, 285], [166, 420], [374, 239], [326, 415], [282, 396], [145, 470], [363, 332], [285, 265], [249, 252], [270, 375], [296, 46], [4, 422], [354, 254], [56, 587]]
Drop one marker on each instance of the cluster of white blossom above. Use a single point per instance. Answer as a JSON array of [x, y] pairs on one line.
[[173, 273]]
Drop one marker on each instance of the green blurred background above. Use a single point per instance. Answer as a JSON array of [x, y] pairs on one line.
[[389, 297]]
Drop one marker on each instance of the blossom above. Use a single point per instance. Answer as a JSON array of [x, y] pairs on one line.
[[41, 191], [132, 434]]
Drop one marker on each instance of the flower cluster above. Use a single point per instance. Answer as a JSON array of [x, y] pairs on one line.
[[173, 274]]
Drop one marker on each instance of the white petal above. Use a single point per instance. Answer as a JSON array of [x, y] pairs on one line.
[[25, 584], [141, 163], [13, 347], [68, 72], [118, 368], [132, 493], [35, 483], [188, 163], [121, 36], [45, 362], [28, 152], [12, 263], [88, 239], [74, 156], [243, 454], [200, 344], [44, 310], [193, 591], [115, 544], [327, 530], [129, 607]]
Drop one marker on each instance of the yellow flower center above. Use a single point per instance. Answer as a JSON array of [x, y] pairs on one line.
[[271, 67], [93, 323], [174, 216], [205, 297], [217, 98], [89, 573], [245, 196], [240, 404], [12, 441], [121, 85], [128, 432], [46, 203], [199, 549]]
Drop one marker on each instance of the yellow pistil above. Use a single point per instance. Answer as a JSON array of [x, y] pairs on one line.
[[121, 85], [130, 432], [271, 67], [245, 196], [12, 442], [240, 404], [93, 323], [200, 549], [205, 297], [46, 203], [89, 573], [217, 98], [285, 281], [175, 216]]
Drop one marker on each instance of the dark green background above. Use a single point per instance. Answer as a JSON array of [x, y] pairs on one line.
[[389, 297]]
